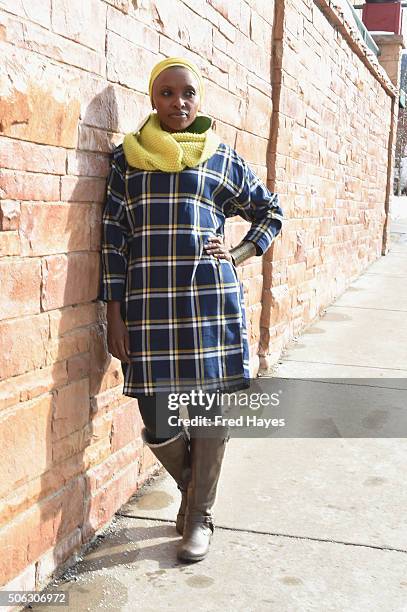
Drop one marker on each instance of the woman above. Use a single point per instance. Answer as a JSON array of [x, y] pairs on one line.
[[175, 310]]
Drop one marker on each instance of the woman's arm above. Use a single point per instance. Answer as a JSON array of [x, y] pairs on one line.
[[118, 340], [242, 251], [114, 237], [255, 203], [114, 261]]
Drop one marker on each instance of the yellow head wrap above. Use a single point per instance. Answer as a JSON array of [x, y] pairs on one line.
[[169, 63]]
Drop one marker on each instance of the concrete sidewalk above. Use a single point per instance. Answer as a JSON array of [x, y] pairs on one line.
[[302, 524]]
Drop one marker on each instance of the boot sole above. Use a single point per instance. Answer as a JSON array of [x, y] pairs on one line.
[[187, 559]]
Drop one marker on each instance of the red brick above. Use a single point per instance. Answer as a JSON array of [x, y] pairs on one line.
[[93, 139], [226, 133], [296, 273], [25, 581], [70, 445], [69, 279], [235, 230], [27, 386], [33, 491], [100, 475], [9, 215], [261, 172], [253, 320], [101, 506], [170, 48], [100, 359], [238, 81], [251, 148], [276, 305], [226, 28], [124, 427], [71, 408], [96, 453], [9, 244], [131, 29], [102, 427], [185, 26], [82, 189], [33, 38], [36, 10], [23, 344], [261, 32], [79, 21], [78, 366], [122, 57], [68, 346], [254, 288], [70, 318], [70, 225], [95, 224], [112, 377], [53, 558], [26, 430], [20, 287], [22, 110], [216, 75], [232, 107], [57, 517], [14, 539], [82, 163], [244, 19], [122, 5], [29, 186], [258, 114], [20, 155], [220, 41], [107, 400]]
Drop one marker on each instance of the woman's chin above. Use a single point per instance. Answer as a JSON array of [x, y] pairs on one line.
[[177, 125]]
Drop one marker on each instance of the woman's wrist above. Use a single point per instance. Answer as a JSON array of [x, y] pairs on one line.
[[243, 251], [113, 309]]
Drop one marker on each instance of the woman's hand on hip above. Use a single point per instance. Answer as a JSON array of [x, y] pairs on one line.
[[118, 339], [215, 247]]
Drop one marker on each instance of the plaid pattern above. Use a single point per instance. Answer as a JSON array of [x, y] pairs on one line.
[[184, 309]]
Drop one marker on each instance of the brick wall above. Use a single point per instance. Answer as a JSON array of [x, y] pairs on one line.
[[333, 114], [73, 80]]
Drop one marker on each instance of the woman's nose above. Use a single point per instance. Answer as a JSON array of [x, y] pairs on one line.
[[179, 102]]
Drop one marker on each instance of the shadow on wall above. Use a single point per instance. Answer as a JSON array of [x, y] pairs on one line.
[[81, 431]]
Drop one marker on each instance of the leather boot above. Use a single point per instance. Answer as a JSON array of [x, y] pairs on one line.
[[206, 461], [174, 456]]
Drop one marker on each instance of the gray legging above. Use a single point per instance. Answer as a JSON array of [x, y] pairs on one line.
[[163, 423]]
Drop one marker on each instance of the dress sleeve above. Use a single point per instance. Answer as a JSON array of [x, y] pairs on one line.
[[115, 234], [256, 204]]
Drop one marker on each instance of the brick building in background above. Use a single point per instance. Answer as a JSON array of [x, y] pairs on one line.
[[292, 87]]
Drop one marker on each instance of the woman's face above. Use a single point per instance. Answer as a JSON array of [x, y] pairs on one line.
[[176, 98]]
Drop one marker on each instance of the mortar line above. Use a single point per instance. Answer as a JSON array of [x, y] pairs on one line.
[[351, 365], [384, 275], [333, 381], [270, 533], [366, 308]]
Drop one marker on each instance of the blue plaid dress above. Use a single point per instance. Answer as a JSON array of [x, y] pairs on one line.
[[184, 310]]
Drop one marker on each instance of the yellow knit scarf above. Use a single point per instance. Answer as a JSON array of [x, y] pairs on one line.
[[152, 148]]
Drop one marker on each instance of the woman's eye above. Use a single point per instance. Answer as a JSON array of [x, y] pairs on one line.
[[190, 93]]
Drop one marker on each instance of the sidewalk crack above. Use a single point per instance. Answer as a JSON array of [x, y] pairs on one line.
[[275, 534]]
